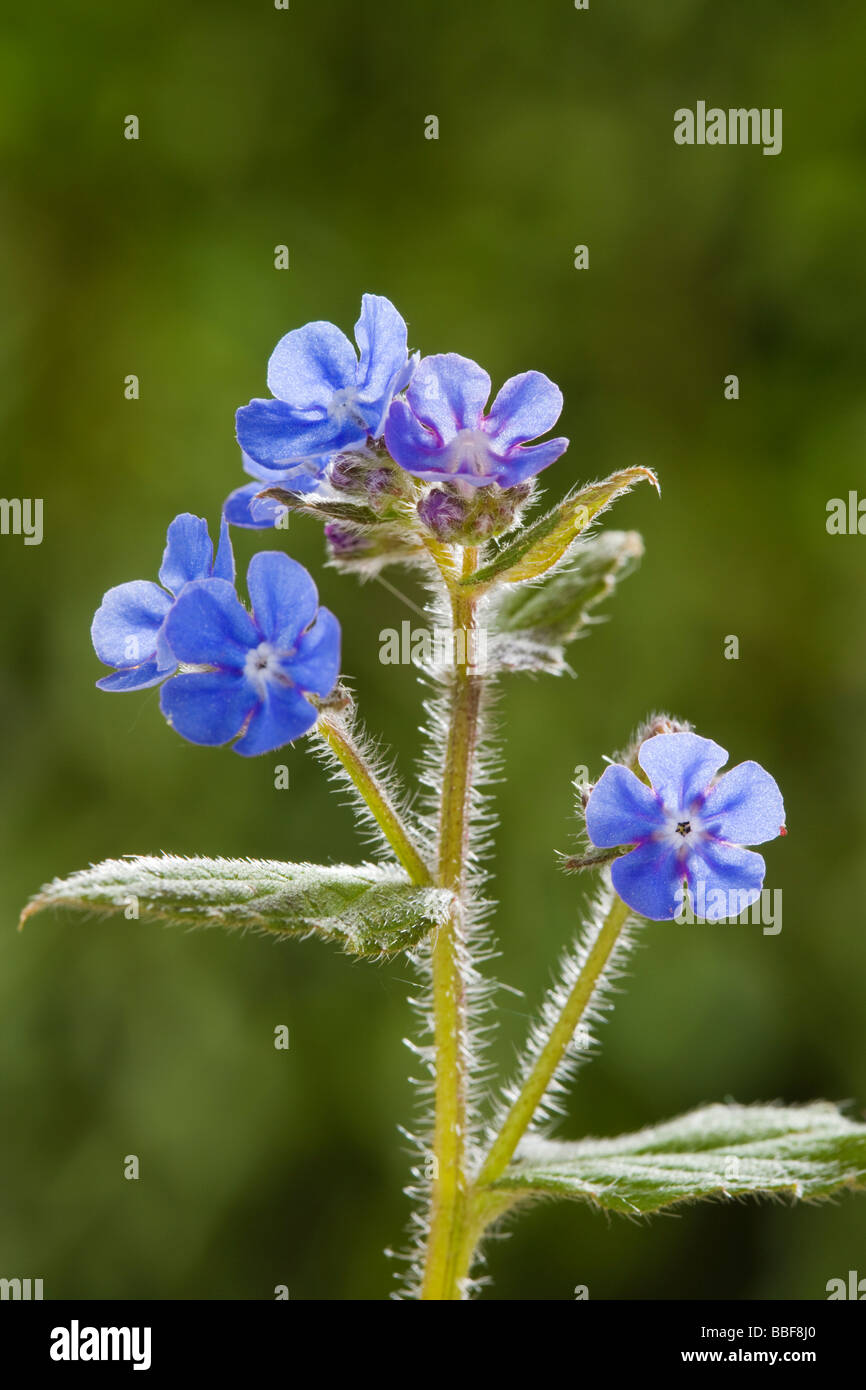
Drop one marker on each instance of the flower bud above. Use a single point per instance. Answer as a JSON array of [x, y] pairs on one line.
[[371, 476], [345, 542], [350, 548], [444, 511], [469, 516], [346, 473], [656, 724]]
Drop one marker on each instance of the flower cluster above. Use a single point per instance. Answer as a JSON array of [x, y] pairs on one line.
[[227, 673], [361, 428], [329, 402], [393, 450], [685, 827]]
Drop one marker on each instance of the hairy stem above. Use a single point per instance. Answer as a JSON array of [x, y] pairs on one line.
[[450, 1183], [343, 746], [533, 1090]]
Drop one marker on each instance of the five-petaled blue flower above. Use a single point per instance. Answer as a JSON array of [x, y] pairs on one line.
[[327, 398], [128, 629], [255, 671], [440, 431], [685, 828]]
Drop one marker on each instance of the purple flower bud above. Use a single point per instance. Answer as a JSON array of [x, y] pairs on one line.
[[346, 473], [345, 541], [444, 512], [380, 483]]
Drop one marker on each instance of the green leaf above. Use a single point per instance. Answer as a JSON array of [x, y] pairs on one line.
[[534, 623], [722, 1151], [545, 542], [370, 910]]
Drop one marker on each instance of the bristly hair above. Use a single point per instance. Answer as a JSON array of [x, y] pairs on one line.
[[571, 964], [476, 950], [584, 1040], [582, 1046], [382, 767]]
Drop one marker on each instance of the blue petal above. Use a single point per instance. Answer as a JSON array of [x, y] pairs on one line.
[[208, 626], [135, 677], [680, 767], [526, 460], [283, 717], [283, 597], [267, 509], [448, 393], [621, 810], [208, 708], [125, 626], [407, 373], [244, 510], [317, 664], [382, 339], [271, 433], [527, 406], [649, 879], [264, 471], [238, 508], [224, 564], [309, 364], [411, 445], [745, 807], [188, 552], [165, 657], [723, 879], [300, 477]]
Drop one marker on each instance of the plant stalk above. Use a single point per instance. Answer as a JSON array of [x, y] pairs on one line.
[[448, 1214], [376, 796], [535, 1086]]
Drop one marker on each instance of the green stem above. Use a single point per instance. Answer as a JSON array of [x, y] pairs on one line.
[[534, 1087], [483, 1204], [343, 746], [450, 1183]]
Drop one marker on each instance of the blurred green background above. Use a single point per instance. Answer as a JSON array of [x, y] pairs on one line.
[[155, 257]]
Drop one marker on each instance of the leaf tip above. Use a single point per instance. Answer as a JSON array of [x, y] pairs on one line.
[[30, 910]]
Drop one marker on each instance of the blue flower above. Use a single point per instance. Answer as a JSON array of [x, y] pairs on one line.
[[256, 670], [327, 400], [685, 828], [440, 431], [244, 507], [128, 629]]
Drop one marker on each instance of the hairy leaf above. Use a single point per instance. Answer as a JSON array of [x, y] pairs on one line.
[[535, 622], [369, 910], [545, 542], [718, 1151]]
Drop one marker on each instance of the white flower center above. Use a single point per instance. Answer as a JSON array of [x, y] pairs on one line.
[[344, 406], [682, 831], [469, 452], [263, 665]]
